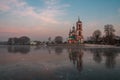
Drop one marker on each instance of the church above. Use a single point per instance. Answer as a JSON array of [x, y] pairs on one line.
[[75, 34]]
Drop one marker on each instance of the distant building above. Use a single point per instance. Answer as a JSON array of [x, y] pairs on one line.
[[33, 43], [75, 35], [117, 40]]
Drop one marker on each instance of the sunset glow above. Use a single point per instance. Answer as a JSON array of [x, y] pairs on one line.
[[40, 19]]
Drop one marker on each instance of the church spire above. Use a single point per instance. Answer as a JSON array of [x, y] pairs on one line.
[[78, 18], [73, 28], [70, 31]]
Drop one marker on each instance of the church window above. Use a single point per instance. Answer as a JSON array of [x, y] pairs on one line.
[[79, 33], [79, 27]]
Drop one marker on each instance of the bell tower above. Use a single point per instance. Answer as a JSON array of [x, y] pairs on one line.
[[79, 31]]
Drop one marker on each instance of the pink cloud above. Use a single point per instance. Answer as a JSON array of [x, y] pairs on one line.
[[47, 14], [4, 7], [19, 30]]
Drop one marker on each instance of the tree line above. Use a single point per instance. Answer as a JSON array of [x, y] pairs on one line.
[[24, 40], [109, 36]]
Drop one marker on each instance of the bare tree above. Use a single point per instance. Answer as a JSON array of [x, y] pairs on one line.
[[49, 40], [96, 35], [58, 39], [24, 40], [109, 34]]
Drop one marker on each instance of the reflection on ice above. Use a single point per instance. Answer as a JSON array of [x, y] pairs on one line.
[[75, 55], [59, 63], [22, 49]]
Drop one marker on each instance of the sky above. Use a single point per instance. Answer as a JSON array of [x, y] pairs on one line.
[[40, 19]]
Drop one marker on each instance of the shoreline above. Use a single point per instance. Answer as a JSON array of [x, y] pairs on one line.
[[86, 45], [73, 45]]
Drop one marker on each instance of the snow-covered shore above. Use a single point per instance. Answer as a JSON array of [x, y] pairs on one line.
[[86, 45], [100, 46]]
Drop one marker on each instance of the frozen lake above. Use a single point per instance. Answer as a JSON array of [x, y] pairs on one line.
[[59, 63]]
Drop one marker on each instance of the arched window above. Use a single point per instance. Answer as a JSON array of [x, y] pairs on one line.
[[79, 33], [79, 27]]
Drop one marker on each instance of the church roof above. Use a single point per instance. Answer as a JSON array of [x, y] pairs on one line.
[[72, 37]]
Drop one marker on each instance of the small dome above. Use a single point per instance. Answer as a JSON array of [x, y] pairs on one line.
[[79, 22]]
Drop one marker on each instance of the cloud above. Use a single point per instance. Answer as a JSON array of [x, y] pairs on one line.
[[4, 7], [38, 22], [7, 5], [47, 14]]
